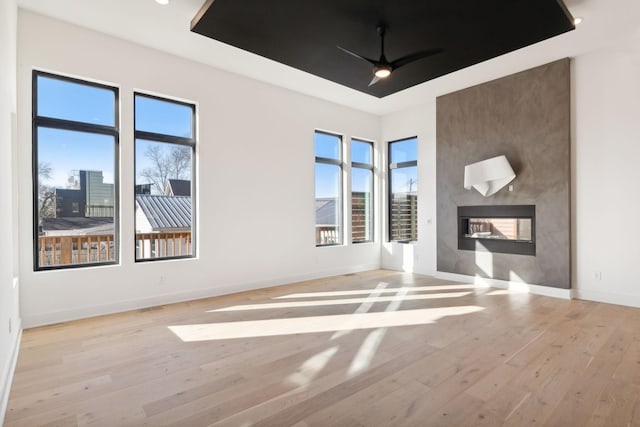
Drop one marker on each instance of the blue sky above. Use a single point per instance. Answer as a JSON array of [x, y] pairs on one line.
[[328, 146], [404, 180], [66, 151]]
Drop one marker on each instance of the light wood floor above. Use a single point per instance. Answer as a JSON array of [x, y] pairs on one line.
[[373, 349]]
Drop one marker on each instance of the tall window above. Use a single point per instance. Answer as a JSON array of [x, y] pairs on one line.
[[403, 190], [361, 191], [328, 149], [164, 164], [75, 173]]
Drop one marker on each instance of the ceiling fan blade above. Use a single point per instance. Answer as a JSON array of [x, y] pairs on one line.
[[375, 80], [414, 57], [371, 61]]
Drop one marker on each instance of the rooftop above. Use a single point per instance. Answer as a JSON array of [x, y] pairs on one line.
[[166, 212]]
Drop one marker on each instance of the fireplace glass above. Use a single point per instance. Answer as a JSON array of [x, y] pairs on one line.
[[518, 229], [509, 229]]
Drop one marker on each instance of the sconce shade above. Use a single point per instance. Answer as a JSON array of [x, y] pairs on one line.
[[488, 176]]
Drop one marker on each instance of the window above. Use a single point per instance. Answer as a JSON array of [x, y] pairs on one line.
[[328, 150], [403, 190], [361, 191], [75, 158], [164, 165]]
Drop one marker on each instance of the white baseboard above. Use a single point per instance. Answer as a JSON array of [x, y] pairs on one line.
[[608, 297], [505, 284], [42, 319], [7, 377]]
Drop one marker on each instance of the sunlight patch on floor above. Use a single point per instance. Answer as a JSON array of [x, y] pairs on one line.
[[370, 291], [362, 308], [366, 352], [370, 300], [310, 369], [506, 292], [371, 343], [316, 324]]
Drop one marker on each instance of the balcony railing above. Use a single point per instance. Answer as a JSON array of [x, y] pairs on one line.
[[326, 234], [81, 249], [162, 245], [92, 249]]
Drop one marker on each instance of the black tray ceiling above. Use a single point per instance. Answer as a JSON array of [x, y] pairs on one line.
[[304, 33]]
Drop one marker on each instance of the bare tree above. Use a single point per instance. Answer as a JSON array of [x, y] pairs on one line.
[[46, 193], [174, 163]]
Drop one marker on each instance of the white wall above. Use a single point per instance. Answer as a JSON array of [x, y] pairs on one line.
[[8, 273], [420, 256], [606, 153], [605, 160], [255, 223]]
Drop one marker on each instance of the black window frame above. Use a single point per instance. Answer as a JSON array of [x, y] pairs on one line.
[[170, 139], [37, 122], [370, 167], [340, 163], [392, 166]]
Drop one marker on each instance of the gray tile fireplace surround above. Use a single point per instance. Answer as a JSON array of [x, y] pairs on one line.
[[525, 116]]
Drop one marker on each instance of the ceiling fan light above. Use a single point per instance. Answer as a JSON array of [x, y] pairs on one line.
[[382, 72]]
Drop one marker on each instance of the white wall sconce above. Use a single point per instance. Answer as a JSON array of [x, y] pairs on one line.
[[488, 176]]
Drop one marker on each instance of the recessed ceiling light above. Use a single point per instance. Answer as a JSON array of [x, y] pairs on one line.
[[162, 2], [576, 21]]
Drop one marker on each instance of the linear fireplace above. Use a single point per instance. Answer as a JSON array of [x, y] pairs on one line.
[[509, 229]]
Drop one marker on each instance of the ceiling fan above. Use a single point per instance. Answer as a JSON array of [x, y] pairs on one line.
[[382, 68]]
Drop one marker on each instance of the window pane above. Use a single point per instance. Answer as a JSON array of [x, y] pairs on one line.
[[62, 99], [163, 200], [163, 117], [158, 163], [328, 204], [404, 151], [361, 151], [76, 197], [361, 205], [404, 204], [327, 146]]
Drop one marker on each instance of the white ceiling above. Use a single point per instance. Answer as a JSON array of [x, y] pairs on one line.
[[167, 28]]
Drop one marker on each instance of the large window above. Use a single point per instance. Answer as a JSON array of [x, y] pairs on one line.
[[328, 150], [403, 190], [361, 191], [75, 173], [164, 162]]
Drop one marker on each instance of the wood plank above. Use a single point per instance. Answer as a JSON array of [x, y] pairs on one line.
[[493, 358]]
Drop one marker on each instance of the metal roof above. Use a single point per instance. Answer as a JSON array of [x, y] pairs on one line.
[[77, 225], [326, 211], [166, 212]]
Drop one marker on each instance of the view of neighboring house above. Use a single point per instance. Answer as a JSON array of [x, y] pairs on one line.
[[328, 214], [159, 213], [178, 187], [163, 222], [91, 197], [76, 226], [86, 209]]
